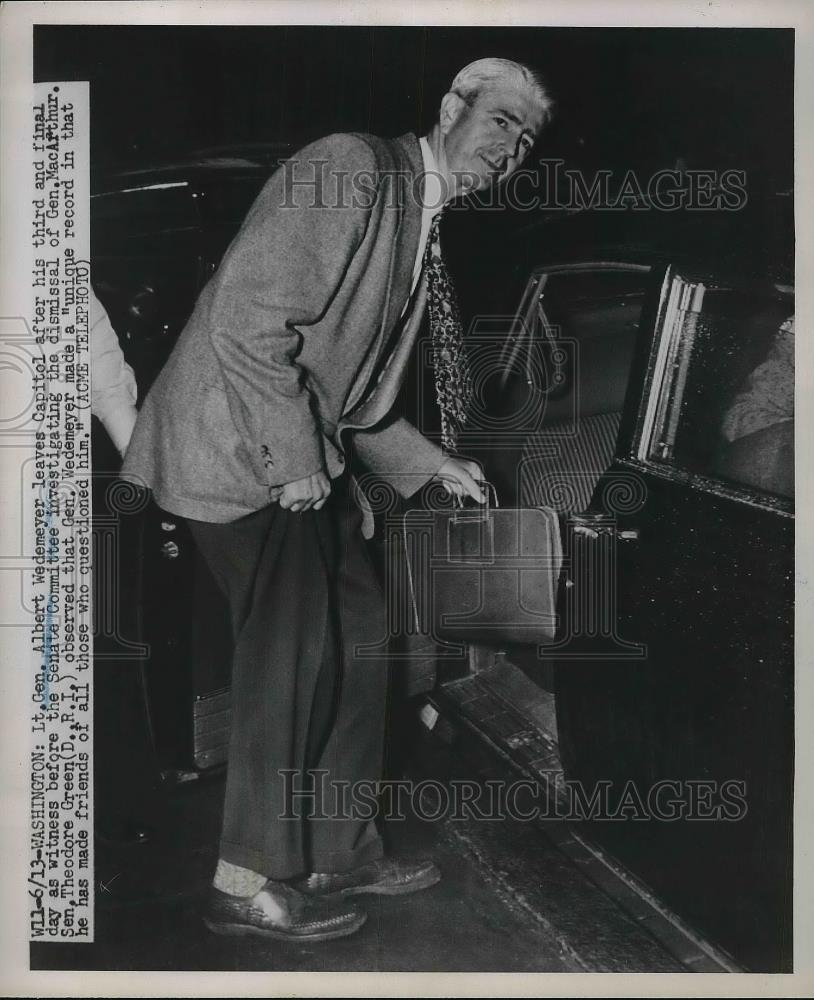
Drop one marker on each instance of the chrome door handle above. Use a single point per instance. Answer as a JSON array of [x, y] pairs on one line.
[[587, 531]]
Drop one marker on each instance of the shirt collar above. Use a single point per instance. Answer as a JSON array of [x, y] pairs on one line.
[[433, 193]]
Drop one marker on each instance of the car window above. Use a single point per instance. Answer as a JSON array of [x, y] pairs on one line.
[[148, 285], [721, 398], [226, 200], [144, 208], [566, 370], [147, 268], [575, 337]]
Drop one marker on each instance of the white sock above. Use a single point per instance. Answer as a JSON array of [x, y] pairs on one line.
[[237, 881]]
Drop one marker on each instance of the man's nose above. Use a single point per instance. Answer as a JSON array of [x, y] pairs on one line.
[[505, 147], [518, 150], [509, 147]]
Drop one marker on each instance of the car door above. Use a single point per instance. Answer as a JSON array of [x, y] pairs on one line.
[[674, 679], [147, 266], [161, 622]]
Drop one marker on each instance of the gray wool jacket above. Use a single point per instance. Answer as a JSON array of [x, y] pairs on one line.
[[297, 342]]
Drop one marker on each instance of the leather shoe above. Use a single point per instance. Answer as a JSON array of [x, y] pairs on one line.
[[384, 877], [278, 911]]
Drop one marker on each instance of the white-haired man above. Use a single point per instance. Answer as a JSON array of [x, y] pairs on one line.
[[295, 353]]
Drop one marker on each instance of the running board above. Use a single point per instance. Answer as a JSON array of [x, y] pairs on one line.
[[487, 704]]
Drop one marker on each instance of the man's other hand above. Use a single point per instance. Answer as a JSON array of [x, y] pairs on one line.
[[459, 475], [303, 494]]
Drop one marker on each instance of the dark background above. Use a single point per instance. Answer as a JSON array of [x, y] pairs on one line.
[[640, 99], [626, 98]]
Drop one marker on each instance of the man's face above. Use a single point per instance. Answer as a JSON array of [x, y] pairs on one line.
[[485, 142]]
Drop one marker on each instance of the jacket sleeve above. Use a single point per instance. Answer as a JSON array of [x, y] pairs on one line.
[[280, 273], [398, 453]]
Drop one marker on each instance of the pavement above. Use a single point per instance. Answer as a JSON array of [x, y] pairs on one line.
[[510, 900]]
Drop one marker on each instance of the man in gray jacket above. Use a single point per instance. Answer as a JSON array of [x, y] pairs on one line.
[[294, 354]]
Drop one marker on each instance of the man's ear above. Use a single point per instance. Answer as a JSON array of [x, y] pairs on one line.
[[451, 107]]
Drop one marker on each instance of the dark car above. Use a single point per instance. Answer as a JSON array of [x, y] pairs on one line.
[[157, 236], [650, 371], [667, 449], [638, 385]]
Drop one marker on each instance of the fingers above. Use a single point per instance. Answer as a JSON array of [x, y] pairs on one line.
[[473, 476], [321, 489], [308, 499], [458, 478], [304, 494], [449, 477], [474, 469], [471, 487], [294, 494]]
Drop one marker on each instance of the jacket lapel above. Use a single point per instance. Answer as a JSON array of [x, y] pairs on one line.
[[408, 204], [411, 201], [378, 402]]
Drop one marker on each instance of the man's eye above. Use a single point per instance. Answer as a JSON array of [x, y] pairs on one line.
[[501, 122]]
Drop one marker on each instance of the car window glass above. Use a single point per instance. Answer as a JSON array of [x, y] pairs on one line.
[[568, 364], [224, 203], [226, 200], [577, 335], [721, 403], [144, 208], [148, 285]]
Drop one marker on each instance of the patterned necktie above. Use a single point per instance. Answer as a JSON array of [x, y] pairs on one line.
[[453, 381]]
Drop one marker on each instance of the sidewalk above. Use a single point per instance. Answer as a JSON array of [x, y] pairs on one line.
[[510, 899]]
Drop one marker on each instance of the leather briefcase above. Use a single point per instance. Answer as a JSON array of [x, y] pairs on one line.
[[484, 574]]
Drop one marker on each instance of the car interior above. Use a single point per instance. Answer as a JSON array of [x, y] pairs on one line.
[[739, 404], [587, 317], [568, 363], [563, 378]]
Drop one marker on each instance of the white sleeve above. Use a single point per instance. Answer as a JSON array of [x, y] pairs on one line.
[[767, 396], [113, 385]]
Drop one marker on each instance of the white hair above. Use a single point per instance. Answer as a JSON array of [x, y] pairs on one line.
[[470, 80]]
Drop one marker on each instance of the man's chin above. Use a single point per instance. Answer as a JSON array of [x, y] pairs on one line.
[[472, 181], [490, 183], [479, 184]]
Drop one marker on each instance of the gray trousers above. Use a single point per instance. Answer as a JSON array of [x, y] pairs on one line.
[[308, 703]]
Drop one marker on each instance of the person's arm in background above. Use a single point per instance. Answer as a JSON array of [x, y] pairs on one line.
[[113, 385], [766, 397]]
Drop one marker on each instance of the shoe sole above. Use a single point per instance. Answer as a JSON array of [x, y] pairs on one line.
[[424, 881], [244, 930]]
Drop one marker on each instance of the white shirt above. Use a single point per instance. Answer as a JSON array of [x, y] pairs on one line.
[[433, 203], [113, 390]]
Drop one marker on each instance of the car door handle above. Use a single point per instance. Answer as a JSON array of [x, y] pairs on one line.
[[584, 531], [595, 530]]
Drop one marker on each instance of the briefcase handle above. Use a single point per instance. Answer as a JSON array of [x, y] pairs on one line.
[[481, 511]]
